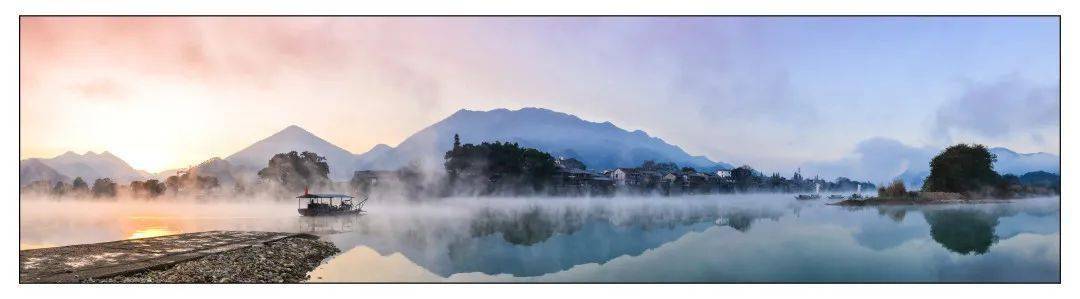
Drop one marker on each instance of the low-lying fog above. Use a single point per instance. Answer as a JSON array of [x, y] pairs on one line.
[[45, 221], [755, 237]]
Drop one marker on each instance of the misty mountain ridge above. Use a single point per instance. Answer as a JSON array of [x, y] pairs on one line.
[[31, 170], [598, 145], [293, 138], [1010, 162], [883, 159], [91, 166]]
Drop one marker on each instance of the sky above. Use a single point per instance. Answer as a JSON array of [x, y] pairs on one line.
[[773, 92]]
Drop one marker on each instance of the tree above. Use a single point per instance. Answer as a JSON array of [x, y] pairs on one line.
[[896, 189], [571, 163], [59, 189], [183, 182], [962, 168], [137, 189], [743, 176], [296, 171], [173, 183], [499, 164], [154, 188], [104, 187], [667, 167], [78, 186]]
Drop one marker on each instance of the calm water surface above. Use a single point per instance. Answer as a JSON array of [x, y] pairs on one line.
[[743, 238]]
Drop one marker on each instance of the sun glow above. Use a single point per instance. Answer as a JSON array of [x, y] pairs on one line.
[[150, 232]]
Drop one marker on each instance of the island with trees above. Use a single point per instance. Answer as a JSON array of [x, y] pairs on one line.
[[965, 173]]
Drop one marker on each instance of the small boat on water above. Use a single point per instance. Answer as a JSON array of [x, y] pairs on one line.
[[329, 204], [836, 196], [816, 195]]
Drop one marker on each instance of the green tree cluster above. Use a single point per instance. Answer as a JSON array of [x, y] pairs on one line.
[[962, 168], [296, 171], [499, 165]]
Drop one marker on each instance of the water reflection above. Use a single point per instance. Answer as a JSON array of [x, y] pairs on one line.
[[763, 238], [798, 242], [962, 231]]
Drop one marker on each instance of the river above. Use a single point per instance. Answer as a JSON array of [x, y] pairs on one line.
[[724, 238]]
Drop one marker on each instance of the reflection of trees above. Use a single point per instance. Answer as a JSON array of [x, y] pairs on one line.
[[528, 227], [968, 228], [534, 225], [896, 214], [535, 240], [741, 220], [963, 231]]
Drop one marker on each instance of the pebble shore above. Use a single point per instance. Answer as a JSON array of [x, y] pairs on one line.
[[283, 261]]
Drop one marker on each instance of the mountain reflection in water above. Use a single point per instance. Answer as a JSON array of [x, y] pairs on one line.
[[750, 238], [737, 238]]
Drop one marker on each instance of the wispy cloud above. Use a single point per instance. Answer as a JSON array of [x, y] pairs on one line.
[[1007, 107]]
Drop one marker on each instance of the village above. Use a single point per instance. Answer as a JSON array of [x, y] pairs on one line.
[[571, 178]]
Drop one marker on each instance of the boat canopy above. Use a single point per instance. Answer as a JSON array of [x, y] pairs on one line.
[[312, 195]]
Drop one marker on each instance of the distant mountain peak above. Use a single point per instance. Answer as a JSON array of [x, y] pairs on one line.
[[380, 147], [91, 165], [599, 144], [294, 130], [68, 154], [293, 138]]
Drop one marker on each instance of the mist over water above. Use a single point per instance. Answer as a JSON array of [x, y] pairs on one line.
[[720, 238]]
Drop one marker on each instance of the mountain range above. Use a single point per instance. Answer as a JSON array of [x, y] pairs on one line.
[[600, 145], [89, 166]]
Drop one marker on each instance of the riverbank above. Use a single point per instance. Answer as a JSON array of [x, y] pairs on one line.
[[285, 261], [204, 257], [950, 198]]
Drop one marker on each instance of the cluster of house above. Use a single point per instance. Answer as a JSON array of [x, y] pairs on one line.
[[572, 180]]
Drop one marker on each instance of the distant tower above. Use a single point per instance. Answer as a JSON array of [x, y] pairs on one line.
[[457, 141]]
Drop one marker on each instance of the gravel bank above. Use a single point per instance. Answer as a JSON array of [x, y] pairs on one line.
[[284, 261]]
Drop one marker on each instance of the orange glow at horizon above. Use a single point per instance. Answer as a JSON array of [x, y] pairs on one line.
[[150, 232]]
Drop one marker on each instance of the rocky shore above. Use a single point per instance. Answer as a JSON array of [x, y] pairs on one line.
[[918, 198], [284, 261]]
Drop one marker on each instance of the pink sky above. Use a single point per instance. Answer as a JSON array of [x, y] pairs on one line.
[[168, 92], [164, 93]]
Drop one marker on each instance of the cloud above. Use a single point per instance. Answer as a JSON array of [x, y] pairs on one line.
[[1007, 107], [101, 89], [876, 159]]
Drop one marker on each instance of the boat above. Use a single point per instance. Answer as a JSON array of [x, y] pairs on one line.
[[329, 204], [816, 195], [836, 196]]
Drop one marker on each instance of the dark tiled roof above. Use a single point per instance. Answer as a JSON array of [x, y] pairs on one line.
[[313, 195]]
